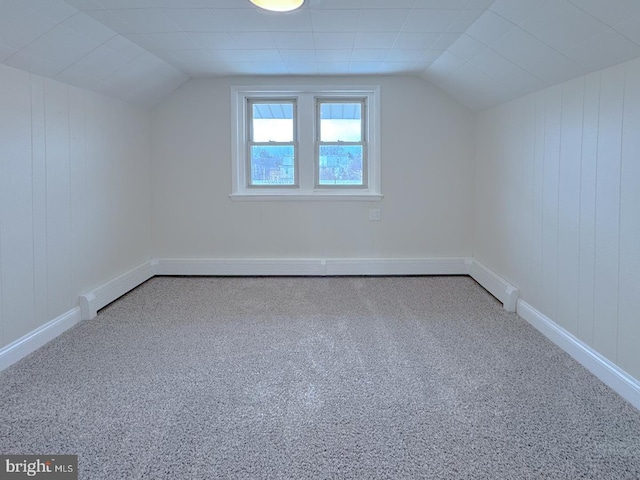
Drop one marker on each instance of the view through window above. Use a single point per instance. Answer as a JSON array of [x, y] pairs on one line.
[[341, 148], [272, 150]]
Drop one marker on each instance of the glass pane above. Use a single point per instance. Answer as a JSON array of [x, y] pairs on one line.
[[341, 122], [272, 165], [272, 122], [341, 165]]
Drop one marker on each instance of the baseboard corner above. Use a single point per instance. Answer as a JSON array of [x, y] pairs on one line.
[[496, 285], [101, 296]]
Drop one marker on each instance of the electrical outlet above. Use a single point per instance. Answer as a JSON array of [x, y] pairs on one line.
[[374, 214]]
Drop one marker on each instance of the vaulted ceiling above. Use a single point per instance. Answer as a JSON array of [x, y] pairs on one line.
[[482, 52]]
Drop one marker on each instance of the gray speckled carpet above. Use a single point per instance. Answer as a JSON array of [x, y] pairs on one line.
[[295, 378]]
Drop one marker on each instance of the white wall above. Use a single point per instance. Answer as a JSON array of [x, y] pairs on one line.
[[427, 181], [74, 196], [558, 205]]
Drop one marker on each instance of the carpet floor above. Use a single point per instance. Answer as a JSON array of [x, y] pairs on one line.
[[305, 378]]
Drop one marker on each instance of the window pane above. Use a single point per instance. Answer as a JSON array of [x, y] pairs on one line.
[[272, 165], [340, 122], [341, 165], [272, 122]]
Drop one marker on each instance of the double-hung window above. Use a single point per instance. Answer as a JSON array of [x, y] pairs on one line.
[[271, 146], [341, 146], [305, 143]]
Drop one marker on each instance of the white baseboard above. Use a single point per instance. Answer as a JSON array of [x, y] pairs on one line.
[[312, 266], [495, 285], [35, 339], [94, 300], [239, 266], [610, 374], [396, 266]]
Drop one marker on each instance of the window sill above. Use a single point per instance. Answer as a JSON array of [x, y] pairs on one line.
[[311, 197]]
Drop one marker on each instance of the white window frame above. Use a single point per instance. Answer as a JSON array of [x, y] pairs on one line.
[[251, 141], [319, 100], [307, 187]]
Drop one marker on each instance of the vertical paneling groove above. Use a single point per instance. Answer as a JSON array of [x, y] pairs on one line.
[[553, 121], [58, 192], [90, 267], [32, 307], [39, 201], [45, 201], [619, 259], [586, 279], [538, 178], [525, 182], [608, 212], [569, 204], [557, 212], [77, 143], [70, 206], [516, 213]]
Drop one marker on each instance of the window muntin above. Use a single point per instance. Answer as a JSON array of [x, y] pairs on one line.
[[341, 153], [271, 146]]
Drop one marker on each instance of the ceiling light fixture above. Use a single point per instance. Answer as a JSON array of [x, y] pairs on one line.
[[278, 5]]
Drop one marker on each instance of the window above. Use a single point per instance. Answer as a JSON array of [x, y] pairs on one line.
[[341, 145], [305, 143], [272, 143]]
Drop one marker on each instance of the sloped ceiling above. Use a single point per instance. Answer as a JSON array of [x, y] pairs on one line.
[[483, 52]]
